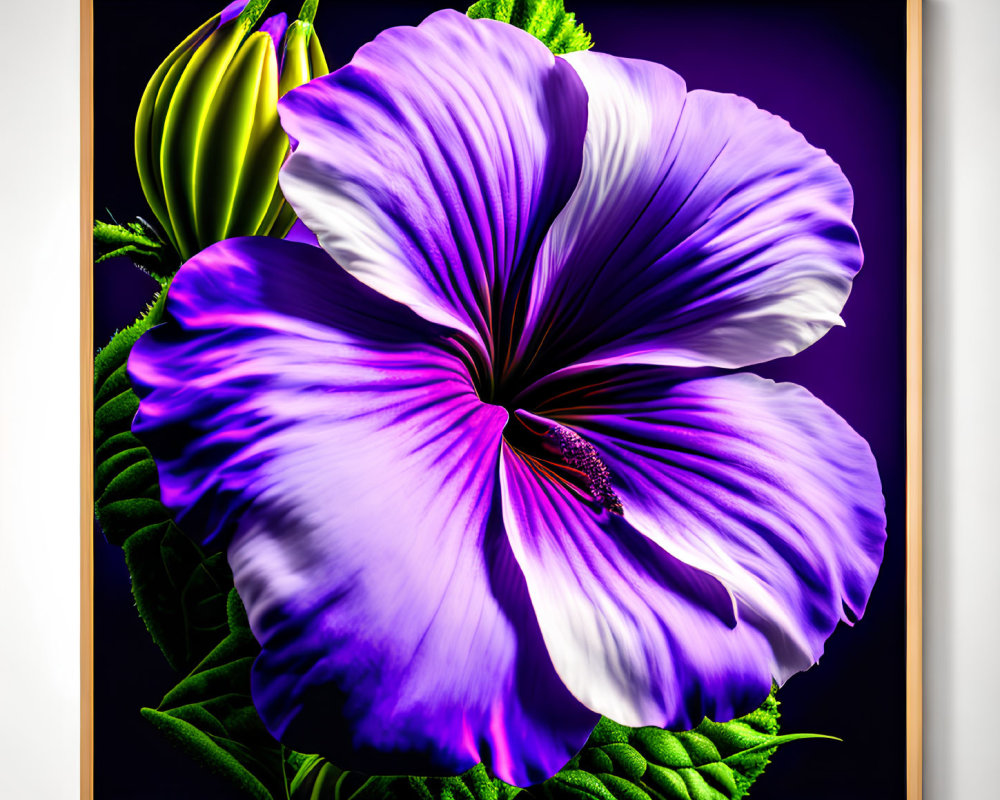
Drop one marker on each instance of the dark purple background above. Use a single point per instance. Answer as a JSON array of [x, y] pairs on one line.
[[835, 70]]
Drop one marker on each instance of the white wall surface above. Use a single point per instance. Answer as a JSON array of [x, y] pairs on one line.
[[39, 400], [962, 380], [39, 462]]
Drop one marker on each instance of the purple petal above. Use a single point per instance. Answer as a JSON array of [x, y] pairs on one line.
[[300, 233], [433, 164], [755, 482], [335, 439], [636, 634], [704, 231], [256, 314]]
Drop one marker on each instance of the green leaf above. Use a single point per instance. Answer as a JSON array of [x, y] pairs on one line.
[[211, 716], [140, 242], [116, 449], [626, 760], [578, 784], [715, 761], [319, 780], [547, 20], [180, 592]]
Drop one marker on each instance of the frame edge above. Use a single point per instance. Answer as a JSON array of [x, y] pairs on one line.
[[914, 411], [86, 401], [913, 418]]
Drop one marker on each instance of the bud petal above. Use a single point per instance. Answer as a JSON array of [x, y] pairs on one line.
[[301, 61], [295, 66], [317, 58], [183, 128], [266, 151], [223, 152], [232, 11], [208, 141], [275, 26], [149, 124]]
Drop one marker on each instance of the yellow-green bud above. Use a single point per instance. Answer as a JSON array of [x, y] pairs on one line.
[[208, 144]]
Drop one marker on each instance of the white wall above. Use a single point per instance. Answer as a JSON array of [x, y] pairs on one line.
[[962, 380], [39, 570], [39, 400]]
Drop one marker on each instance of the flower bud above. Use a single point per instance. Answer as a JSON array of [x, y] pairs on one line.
[[208, 144]]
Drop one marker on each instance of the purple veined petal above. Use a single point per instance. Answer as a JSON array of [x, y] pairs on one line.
[[333, 438], [634, 633], [428, 662], [433, 164], [755, 482], [704, 231]]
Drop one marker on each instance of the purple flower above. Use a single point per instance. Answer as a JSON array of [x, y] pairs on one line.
[[491, 479]]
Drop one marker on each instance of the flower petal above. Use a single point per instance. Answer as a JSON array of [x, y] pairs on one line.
[[300, 233], [704, 231], [433, 164], [755, 482], [635, 634], [332, 435]]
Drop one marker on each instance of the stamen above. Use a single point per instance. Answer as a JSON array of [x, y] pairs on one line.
[[579, 454]]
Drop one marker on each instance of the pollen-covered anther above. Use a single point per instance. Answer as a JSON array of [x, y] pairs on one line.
[[580, 455]]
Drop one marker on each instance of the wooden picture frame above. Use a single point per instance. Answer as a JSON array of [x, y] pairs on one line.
[[908, 508]]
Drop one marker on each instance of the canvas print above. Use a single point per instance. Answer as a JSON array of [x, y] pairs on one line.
[[500, 401]]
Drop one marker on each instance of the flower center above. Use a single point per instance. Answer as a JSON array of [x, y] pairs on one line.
[[554, 449], [565, 457], [580, 455]]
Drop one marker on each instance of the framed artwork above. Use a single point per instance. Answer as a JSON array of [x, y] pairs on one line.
[[515, 401]]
